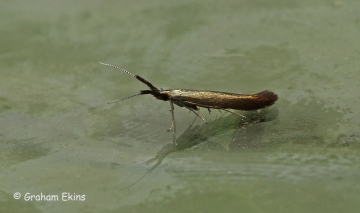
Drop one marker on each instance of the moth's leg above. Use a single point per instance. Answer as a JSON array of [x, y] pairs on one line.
[[173, 125], [194, 119], [209, 110], [197, 114], [172, 116], [181, 104], [234, 113]]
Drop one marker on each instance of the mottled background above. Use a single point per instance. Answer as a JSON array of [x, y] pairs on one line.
[[58, 134]]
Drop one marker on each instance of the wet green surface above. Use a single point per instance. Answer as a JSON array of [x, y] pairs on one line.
[[58, 134]]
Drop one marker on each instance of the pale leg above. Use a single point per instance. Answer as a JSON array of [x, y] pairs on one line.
[[234, 113], [173, 125]]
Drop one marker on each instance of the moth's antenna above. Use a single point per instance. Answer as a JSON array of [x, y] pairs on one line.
[[116, 67], [152, 87], [124, 98]]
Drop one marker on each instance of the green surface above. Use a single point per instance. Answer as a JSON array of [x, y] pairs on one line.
[[58, 134]]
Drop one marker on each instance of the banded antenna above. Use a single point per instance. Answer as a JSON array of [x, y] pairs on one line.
[[116, 67], [135, 76], [124, 98], [152, 87]]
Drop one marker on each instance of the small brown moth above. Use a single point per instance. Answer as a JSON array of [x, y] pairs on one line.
[[192, 99]]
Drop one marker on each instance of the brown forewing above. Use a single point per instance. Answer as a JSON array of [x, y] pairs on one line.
[[223, 100]]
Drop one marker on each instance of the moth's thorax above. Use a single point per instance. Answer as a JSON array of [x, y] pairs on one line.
[[176, 92]]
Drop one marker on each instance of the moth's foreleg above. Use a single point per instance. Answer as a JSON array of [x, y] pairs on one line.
[[172, 116], [173, 125]]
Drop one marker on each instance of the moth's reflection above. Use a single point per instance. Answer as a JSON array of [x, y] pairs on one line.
[[197, 134]]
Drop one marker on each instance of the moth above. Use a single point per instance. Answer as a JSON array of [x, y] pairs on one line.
[[193, 99]]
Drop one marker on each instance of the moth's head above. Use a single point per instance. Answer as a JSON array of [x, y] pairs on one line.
[[153, 90], [158, 94]]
